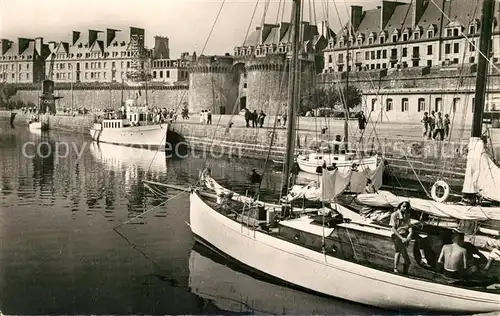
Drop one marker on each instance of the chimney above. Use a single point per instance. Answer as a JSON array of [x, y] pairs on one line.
[[417, 10], [110, 36], [75, 37], [92, 37], [52, 46], [23, 43], [39, 45], [356, 16], [387, 11], [5, 44], [161, 48]]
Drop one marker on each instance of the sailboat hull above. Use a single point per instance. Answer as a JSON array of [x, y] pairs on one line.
[[309, 165], [147, 137], [324, 274]]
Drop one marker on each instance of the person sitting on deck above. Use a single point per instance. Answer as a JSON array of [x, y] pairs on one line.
[[336, 144], [401, 235], [454, 257], [370, 188], [255, 177]]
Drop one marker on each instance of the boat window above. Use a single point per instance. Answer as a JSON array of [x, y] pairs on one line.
[[335, 158], [319, 157]]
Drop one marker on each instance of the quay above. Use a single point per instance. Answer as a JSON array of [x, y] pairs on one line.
[[409, 155]]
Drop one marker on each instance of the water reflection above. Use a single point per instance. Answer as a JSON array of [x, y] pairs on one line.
[[231, 289]]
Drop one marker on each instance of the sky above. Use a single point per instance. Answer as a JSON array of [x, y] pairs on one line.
[[187, 23]]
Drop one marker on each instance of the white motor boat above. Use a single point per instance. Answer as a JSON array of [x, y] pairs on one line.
[[344, 162], [134, 130]]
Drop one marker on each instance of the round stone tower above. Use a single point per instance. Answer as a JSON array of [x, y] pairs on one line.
[[213, 85], [267, 81]]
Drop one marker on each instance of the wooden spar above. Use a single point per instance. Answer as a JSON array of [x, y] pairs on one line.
[[170, 186], [482, 69], [293, 95], [346, 94]]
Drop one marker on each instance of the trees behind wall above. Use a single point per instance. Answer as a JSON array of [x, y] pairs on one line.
[[331, 98]]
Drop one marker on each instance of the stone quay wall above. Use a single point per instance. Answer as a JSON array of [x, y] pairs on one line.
[[74, 124]]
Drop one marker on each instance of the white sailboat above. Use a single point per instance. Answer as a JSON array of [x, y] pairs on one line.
[[314, 256], [331, 250]]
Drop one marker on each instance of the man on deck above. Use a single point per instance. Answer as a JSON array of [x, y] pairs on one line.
[[401, 235], [454, 257]]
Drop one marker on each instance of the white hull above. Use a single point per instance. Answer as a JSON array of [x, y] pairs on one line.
[[325, 274], [310, 166], [35, 126], [148, 136]]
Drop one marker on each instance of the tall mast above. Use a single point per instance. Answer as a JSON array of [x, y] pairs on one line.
[[293, 94], [482, 66], [346, 105]]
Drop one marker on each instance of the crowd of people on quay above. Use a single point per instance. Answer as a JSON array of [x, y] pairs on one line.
[[435, 126]]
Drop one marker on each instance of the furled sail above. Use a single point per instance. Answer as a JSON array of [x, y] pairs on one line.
[[482, 176], [335, 182]]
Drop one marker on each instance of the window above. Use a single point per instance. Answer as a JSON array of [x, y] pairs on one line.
[[438, 105], [372, 54], [472, 29], [370, 40], [421, 105], [378, 54], [394, 38], [456, 48], [447, 48], [388, 105], [405, 37], [416, 35], [367, 55], [472, 47], [455, 32], [473, 101], [382, 40], [455, 105], [405, 52], [448, 32], [86, 65], [154, 74], [384, 53], [330, 59], [404, 105], [168, 74], [27, 66], [374, 102], [429, 50], [429, 62], [430, 34], [161, 74]]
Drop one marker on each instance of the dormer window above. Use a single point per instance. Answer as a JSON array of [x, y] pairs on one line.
[[455, 32], [405, 37], [472, 29], [382, 40], [449, 32], [359, 41], [370, 40], [394, 38], [430, 34], [416, 36]]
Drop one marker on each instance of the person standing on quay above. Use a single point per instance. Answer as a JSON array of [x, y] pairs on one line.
[[432, 124], [425, 124], [262, 116], [439, 127], [209, 117], [248, 117], [361, 122], [447, 126], [254, 118]]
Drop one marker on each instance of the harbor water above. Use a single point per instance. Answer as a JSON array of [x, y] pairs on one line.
[[64, 250]]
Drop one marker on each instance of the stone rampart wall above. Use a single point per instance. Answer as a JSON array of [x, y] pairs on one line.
[[99, 98]]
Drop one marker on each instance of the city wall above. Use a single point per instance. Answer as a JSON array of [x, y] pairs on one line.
[[99, 98]]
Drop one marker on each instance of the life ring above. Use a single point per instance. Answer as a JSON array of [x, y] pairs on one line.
[[446, 189]]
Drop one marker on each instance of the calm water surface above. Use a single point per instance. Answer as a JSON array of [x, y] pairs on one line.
[[61, 252]]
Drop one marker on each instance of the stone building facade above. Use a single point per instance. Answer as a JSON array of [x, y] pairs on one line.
[[23, 61]]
